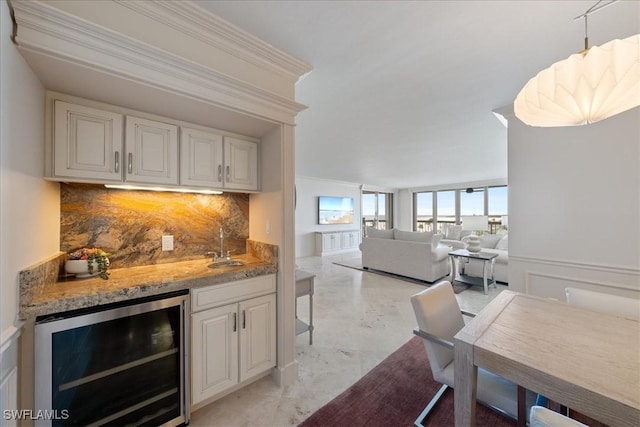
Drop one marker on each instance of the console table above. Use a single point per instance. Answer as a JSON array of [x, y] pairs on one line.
[[304, 286], [487, 259]]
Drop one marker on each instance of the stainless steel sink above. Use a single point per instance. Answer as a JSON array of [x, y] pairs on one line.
[[226, 263]]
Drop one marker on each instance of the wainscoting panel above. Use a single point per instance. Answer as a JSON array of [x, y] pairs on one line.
[[9, 376], [549, 278]]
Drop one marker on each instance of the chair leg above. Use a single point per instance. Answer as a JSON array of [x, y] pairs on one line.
[[425, 413], [522, 406]]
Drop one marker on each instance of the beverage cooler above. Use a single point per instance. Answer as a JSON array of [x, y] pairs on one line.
[[119, 364]]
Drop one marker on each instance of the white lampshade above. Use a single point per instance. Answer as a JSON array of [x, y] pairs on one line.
[[585, 88], [475, 222]]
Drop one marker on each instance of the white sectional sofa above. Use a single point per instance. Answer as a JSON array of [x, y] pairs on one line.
[[406, 253]]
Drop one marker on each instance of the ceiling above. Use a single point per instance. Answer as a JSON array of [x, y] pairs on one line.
[[402, 92]]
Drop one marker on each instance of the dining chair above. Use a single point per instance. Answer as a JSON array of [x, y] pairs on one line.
[[543, 417], [607, 303], [439, 318]]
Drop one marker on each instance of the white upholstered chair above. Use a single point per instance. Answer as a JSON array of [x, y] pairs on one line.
[[439, 319], [607, 303], [543, 417]]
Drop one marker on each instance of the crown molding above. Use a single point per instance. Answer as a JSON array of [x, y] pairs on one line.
[[199, 23], [48, 31]]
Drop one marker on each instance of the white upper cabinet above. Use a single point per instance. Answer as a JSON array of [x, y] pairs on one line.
[[241, 164], [200, 158], [152, 152], [87, 143]]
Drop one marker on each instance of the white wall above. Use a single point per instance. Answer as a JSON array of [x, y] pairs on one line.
[[574, 207], [308, 190], [29, 206]]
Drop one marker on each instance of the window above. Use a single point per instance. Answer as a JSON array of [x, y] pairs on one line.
[[472, 203], [498, 207], [377, 210], [451, 204], [446, 207], [423, 211]]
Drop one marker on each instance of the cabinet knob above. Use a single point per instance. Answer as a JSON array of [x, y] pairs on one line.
[[220, 173], [235, 322], [228, 173], [130, 163], [117, 162]]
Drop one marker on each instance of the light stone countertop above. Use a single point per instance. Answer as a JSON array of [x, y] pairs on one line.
[[42, 292]]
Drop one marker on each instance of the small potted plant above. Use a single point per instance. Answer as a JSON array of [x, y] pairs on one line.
[[88, 262]]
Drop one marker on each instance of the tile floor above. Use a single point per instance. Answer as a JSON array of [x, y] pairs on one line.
[[359, 318]]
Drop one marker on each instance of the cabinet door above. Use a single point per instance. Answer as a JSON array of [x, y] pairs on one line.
[[200, 158], [241, 164], [257, 336], [152, 152], [87, 143], [350, 239], [330, 242], [214, 343]]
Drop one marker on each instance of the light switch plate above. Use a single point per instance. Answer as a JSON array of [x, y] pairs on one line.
[[167, 243]]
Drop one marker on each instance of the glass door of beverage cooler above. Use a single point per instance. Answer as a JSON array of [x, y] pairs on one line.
[[119, 366]]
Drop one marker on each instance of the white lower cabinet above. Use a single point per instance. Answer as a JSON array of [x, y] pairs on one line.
[[331, 242], [233, 336]]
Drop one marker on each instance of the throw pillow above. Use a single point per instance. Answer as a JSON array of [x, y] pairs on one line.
[[435, 240], [413, 236], [489, 241], [453, 232], [379, 234], [465, 233], [503, 244]]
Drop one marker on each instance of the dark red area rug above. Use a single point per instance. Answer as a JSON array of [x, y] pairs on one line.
[[393, 394]]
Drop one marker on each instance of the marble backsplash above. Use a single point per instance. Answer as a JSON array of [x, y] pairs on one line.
[[129, 224]]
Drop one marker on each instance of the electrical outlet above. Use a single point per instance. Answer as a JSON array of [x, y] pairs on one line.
[[167, 243]]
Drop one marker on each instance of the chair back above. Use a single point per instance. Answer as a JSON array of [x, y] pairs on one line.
[[438, 313], [607, 303]]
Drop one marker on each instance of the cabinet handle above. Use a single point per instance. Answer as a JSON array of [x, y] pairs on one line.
[[117, 162], [244, 320], [220, 173], [130, 166], [228, 173], [235, 322]]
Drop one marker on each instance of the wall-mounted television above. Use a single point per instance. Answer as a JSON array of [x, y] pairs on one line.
[[335, 210]]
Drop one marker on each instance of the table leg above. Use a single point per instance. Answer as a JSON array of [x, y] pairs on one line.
[[311, 319], [465, 381], [484, 277], [452, 275]]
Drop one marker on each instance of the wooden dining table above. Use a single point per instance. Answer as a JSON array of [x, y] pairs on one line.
[[586, 360]]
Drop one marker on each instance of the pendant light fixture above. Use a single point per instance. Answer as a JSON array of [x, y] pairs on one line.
[[589, 86]]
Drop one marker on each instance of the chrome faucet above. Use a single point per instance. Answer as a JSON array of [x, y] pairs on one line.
[[222, 243], [220, 256]]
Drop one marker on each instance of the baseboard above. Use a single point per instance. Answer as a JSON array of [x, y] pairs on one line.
[[286, 375]]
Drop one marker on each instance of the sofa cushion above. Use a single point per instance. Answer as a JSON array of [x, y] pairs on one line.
[[489, 241], [379, 234], [413, 236], [503, 244]]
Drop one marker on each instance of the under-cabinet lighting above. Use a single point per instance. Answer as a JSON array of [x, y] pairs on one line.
[[170, 189]]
